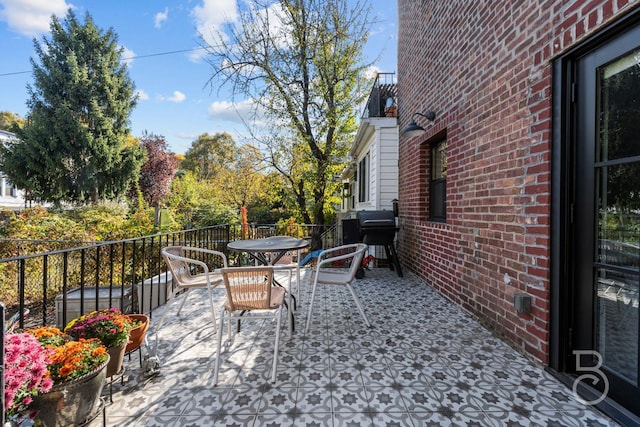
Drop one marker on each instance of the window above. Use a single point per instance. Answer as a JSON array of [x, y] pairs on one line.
[[363, 179], [10, 190], [438, 182]]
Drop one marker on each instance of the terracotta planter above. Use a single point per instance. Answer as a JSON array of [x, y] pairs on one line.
[[136, 336], [116, 356], [71, 403], [391, 112]]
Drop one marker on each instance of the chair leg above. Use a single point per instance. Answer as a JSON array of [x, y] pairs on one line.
[[160, 322], [313, 295], [290, 307], [213, 309], [219, 346], [298, 277], [184, 299], [277, 345], [355, 297]]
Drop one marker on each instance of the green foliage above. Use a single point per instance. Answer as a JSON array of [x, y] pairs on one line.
[[10, 121], [210, 212], [74, 146], [193, 203], [112, 221], [209, 154], [218, 178], [40, 224], [59, 230], [108, 221]]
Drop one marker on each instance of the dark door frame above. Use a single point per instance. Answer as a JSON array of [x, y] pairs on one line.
[[561, 361]]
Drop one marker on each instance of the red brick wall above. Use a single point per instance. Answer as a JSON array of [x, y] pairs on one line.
[[485, 68]]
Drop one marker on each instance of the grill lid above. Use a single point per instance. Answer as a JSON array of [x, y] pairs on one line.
[[376, 219]]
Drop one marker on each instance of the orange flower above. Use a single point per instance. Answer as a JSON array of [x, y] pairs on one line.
[[76, 358], [49, 336], [69, 360]]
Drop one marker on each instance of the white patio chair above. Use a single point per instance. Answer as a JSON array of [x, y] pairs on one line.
[[349, 262], [251, 295], [187, 274]]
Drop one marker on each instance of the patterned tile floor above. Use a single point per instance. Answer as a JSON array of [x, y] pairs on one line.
[[424, 363]]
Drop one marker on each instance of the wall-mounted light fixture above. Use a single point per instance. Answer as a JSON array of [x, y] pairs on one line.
[[413, 129]]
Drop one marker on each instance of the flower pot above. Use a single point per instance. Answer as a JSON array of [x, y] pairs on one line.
[[70, 403], [391, 111], [136, 335], [116, 356]]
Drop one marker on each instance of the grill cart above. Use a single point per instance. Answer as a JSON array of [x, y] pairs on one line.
[[379, 228]]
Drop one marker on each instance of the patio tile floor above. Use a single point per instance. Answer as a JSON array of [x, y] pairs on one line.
[[425, 362]]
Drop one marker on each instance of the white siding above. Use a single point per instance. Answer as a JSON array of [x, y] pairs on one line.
[[9, 198], [388, 167], [379, 138]]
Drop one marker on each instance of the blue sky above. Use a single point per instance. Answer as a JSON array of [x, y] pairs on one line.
[[160, 36]]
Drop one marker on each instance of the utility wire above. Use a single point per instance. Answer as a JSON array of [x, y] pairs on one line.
[[173, 52]]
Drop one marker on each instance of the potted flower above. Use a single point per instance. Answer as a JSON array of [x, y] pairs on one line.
[[111, 327], [77, 370], [25, 374], [139, 327]]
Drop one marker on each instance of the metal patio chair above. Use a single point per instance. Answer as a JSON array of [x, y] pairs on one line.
[[326, 273], [251, 295], [187, 274]]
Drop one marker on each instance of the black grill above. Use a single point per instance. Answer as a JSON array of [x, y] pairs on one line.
[[379, 228]]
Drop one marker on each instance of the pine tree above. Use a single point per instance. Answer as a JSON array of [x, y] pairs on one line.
[[75, 145]]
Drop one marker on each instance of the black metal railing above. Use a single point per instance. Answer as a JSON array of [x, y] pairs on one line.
[[383, 99], [125, 274], [57, 286], [10, 248]]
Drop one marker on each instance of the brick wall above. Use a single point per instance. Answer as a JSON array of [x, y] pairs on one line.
[[485, 68]]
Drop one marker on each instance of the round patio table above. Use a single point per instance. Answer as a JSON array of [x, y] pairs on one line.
[[269, 251]]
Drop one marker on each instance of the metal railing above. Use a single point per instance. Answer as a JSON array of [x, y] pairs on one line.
[[57, 286], [383, 89], [122, 274]]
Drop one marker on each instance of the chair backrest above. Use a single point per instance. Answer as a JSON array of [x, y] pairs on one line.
[[352, 253], [182, 266], [177, 266], [248, 288], [173, 258], [356, 261]]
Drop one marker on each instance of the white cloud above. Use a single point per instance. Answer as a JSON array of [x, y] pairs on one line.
[[372, 72], [142, 95], [246, 113], [188, 135], [127, 56], [209, 17], [177, 97], [160, 18], [32, 17], [230, 111]]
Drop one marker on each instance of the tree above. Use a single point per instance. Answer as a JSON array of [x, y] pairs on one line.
[[194, 203], [208, 154], [241, 181], [299, 61], [9, 120], [236, 175], [158, 170], [74, 146]]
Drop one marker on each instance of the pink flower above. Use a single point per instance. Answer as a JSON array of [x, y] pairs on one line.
[[25, 373]]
